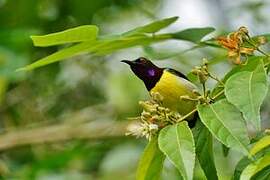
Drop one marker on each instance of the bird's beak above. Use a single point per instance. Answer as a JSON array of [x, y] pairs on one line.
[[128, 62]]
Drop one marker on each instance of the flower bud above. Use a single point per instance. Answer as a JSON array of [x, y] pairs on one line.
[[157, 97], [146, 115], [243, 29], [195, 71], [205, 61], [202, 77], [147, 106], [153, 127], [262, 40]]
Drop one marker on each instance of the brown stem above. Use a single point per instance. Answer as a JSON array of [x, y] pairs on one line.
[[63, 132]]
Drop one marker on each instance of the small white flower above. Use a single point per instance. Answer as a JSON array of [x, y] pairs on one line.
[[153, 127], [135, 129]]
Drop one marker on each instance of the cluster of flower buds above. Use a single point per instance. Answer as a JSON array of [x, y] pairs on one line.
[[153, 118], [239, 43], [202, 71]]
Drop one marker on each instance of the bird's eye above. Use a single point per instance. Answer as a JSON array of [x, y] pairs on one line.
[[141, 59]]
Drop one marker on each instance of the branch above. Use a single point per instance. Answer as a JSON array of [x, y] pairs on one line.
[[62, 132]]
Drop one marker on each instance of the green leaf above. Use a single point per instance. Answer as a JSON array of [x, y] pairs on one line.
[[204, 150], [151, 162], [225, 122], [261, 144], [194, 35], [267, 36], [255, 167], [249, 66], [77, 34], [100, 47], [176, 142], [152, 27], [247, 90], [241, 165], [59, 55], [264, 174], [127, 42]]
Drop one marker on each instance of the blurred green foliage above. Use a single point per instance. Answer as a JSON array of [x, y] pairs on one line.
[[84, 89]]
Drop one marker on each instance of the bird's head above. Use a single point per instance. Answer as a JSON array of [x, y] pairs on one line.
[[145, 70]]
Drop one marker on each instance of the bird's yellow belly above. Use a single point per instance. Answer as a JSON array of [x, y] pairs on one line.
[[172, 87]]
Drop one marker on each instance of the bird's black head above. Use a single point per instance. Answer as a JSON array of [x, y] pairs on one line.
[[146, 71]]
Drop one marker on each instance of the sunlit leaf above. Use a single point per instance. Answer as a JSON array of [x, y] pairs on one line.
[[264, 174], [100, 47], [127, 42], [247, 90], [261, 144], [225, 122], [151, 162], [194, 35], [59, 55], [255, 167], [176, 141], [241, 165], [77, 34], [204, 150], [249, 66], [152, 27]]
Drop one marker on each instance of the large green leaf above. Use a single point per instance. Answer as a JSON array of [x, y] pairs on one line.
[[255, 167], [264, 174], [260, 145], [127, 42], [194, 35], [60, 55], [77, 34], [176, 141], [225, 122], [249, 66], [151, 162], [152, 27], [99, 47], [241, 165], [204, 150], [247, 90]]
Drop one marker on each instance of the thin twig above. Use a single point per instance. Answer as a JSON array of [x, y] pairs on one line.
[[215, 78], [261, 51], [187, 115], [218, 94], [249, 41]]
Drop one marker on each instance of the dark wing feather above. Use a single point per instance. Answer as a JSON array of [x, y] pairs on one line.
[[177, 73]]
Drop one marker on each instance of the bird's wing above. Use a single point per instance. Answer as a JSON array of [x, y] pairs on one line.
[[177, 73], [184, 80]]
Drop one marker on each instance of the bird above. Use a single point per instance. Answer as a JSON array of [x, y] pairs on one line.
[[169, 83]]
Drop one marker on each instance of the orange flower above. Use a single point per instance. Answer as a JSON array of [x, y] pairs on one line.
[[233, 43]]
